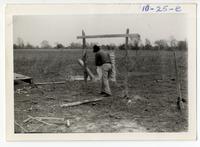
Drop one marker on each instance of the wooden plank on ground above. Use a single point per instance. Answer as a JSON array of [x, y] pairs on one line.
[[20, 77], [81, 102], [50, 118], [71, 78], [26, 120], [41, 121], [48, 83]]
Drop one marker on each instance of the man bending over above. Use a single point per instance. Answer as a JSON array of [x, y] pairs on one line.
[[103, 61]]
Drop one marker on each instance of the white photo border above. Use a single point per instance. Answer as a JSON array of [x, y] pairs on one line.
[[65, 9]]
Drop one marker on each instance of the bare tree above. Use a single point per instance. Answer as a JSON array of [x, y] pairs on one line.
[[20, 42], [147, 45], [161, 44], [135, 40], [59, 45], [173, 42]]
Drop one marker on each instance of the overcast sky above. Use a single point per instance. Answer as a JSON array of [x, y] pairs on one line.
[[65, 28]]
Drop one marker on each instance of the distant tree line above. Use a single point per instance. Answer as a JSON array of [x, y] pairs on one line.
[[162, 44]]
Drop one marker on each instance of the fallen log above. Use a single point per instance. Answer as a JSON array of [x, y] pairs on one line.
[[81, 102]]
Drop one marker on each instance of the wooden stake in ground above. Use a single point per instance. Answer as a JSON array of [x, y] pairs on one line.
[[84, 57], [126, 62], [178, 85]]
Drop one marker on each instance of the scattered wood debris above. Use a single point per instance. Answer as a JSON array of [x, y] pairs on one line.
[[37, 128], [23, 130], [44, 121], [26, 120], [40, 120]]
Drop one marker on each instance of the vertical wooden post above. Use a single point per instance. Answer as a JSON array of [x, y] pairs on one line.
[[126, 59], [178, 85], [84, 58]]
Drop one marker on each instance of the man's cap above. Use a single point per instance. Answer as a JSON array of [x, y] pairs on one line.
[[96, 48]]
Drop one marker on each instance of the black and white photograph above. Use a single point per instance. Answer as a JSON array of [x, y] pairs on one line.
[[101, 73]]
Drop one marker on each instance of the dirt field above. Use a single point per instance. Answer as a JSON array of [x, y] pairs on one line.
[[151, 106]]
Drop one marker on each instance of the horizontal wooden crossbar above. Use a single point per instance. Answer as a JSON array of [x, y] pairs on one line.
[[108, 36]]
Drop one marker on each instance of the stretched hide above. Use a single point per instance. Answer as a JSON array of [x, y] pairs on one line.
[[112, 75]]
